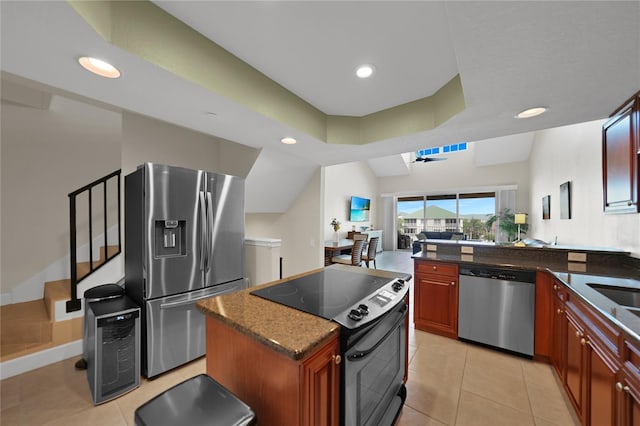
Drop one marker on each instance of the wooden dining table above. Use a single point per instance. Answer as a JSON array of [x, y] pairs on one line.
[[332, 248]]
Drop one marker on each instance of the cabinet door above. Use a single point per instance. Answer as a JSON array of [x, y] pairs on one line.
[[575, 364], [601, 385], [436, 303], [620, 160], [322, 386], [630, 402], [559, 337], [544, 315]]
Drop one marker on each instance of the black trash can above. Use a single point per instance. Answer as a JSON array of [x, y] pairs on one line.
[[198, 401]]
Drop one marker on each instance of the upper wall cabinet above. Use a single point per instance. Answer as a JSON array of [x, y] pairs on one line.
[[620, 157]]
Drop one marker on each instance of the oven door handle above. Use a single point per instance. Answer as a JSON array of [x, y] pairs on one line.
[[363, 354]]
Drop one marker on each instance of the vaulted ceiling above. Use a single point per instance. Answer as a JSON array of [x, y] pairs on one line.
[[256, 71]]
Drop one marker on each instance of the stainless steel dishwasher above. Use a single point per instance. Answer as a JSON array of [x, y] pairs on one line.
[[496, 307]]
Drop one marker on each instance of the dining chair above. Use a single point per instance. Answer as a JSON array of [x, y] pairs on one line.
[[371, 252], [355, 258]]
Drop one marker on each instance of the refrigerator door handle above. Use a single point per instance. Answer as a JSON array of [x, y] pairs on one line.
[[185, 302], [209, 230], [203, 231]]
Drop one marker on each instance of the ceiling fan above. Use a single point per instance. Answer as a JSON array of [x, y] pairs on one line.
[[429, 159]]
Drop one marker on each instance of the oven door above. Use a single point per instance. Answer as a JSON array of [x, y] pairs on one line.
[[373, 371]]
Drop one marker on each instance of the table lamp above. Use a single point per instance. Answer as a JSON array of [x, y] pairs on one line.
[[519, 219]]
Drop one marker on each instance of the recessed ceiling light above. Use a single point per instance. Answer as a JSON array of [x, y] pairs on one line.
[[99, 67], [288, 141], [365, 71], [531, 112]]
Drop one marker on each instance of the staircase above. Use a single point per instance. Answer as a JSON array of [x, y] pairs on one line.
[[56, 319], [30, 327]]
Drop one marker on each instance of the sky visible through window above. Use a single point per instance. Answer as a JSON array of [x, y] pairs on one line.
[[467, 206]]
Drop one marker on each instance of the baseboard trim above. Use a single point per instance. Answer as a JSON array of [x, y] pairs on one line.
[[16, 366]]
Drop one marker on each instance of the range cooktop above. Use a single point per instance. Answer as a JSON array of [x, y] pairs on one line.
[[334, 294]]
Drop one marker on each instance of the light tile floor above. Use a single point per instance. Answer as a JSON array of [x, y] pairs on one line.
[[450, 383]]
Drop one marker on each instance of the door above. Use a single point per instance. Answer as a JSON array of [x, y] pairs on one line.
[[176, 328], [173, 230], [437, 304], [575, 364], [225, 236]]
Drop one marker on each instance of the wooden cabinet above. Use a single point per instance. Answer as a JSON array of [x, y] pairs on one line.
[[628, 387], [280, 390], [620, 157], [436, 297], [559, 331], [587, 359], [574, 364], [322, 384]]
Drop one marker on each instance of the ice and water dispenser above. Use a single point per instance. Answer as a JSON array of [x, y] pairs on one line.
[[170, 238]]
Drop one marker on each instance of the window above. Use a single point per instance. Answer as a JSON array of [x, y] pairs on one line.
[[462, 212]]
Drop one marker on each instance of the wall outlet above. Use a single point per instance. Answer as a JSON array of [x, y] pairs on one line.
[[466, 250], [466, 258], [576, 257], [432, 247], [576, 267]]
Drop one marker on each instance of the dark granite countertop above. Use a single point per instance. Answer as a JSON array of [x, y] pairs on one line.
[[611, 269], [624, 318], [286, 330]]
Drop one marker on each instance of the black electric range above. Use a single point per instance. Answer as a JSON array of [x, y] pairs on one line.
[[352, 299]]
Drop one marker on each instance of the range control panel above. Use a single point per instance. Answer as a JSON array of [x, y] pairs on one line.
[[374, 305]]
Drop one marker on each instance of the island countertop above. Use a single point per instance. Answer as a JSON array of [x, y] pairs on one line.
[[286, 330]]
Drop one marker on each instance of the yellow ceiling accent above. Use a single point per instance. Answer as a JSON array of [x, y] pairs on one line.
[[142, 28]]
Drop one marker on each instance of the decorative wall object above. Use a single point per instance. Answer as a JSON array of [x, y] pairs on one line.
[[565, 200], [546, 207]]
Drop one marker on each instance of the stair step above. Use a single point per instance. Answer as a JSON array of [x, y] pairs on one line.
[[25, 328], [55, 291]]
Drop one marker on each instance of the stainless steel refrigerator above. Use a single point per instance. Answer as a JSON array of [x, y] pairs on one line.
[[184, 236]]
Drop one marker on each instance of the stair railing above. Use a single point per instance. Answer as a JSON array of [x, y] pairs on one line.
[[75, 304]]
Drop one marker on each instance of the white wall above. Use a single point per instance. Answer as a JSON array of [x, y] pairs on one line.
[[46, 154], [574, 153], [148, 140], [341, 182], [298, 228], [459, 173]]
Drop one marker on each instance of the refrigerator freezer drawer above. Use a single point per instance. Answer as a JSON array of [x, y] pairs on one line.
[[175, 328]]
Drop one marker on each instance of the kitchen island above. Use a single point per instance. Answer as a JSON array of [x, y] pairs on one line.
[[284, 363]]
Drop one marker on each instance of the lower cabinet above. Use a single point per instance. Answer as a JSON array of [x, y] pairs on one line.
[[280, 390], [436, 297], [601, 381]]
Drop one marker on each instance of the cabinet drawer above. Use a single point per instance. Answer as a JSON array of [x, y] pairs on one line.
[[560, 290], [438, 268]]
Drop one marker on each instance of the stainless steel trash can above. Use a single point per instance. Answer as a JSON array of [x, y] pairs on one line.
[[198, 401]]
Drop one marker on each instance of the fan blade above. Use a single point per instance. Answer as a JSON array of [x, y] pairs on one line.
[[428, 159]]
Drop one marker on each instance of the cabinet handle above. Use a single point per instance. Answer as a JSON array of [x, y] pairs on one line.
[[559, 311], [435, 268], [620, 387], [583, 341], [555, 287], [578, 334], [337, 359], [453, 283]]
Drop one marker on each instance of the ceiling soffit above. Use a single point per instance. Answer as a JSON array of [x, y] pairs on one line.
[[147, 31]]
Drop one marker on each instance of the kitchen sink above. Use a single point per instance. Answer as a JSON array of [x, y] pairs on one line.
[[623, 296]]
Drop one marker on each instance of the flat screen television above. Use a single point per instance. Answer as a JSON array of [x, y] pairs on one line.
[[359, 209]]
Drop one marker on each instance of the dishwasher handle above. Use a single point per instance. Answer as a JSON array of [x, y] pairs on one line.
[[505, 274]]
